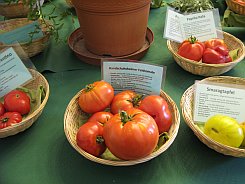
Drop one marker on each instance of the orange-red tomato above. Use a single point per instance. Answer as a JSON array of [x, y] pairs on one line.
[[191, 49], [96, 97], [10, 118], [131, 134], [213, 43], [101, 117], [2, 109], [125, 100]]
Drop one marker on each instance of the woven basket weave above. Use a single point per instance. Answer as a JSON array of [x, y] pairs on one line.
[[31, 49], [14, 10], [203, 69], [73, 115], [187, 113], [236, 7], [26, 122]]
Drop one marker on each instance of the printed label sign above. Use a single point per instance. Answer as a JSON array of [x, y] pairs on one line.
[[211, 99], [13, 72], [139, 77]]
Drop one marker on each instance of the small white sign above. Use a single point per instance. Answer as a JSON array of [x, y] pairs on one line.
[[211, 99], [202, 25], [139, 77], [13, 72]]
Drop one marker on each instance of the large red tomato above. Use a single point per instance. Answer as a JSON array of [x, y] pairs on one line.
[[157, 107], [214, 42], [125, 100], [131, 134], [9, 118], [101, 117], [96, 97], [2, 109], [191, 49], [17, 101], [90, 138]]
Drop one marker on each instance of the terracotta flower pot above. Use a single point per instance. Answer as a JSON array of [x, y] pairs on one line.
[[113, 27]]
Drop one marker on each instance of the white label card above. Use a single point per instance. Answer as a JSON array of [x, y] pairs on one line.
[[13, 72], [202, 25], [139, 77], [211, 99]]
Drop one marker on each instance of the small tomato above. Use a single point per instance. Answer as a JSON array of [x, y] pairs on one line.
[[101, 117], [9, 118], [90, 138], [214, 42]]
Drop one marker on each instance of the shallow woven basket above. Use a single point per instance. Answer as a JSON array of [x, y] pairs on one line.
[[236, 7], [39, 79], [14, 10], [31, 49], [187, 113], [73, 115], [199, 68]]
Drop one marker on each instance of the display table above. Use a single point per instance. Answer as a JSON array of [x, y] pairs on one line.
[[42, 154]]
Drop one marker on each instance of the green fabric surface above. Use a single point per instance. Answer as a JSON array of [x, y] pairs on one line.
[[232, 19], [42, 154]]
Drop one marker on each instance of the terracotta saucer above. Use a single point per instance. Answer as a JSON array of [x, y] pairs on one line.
[[77, 45]]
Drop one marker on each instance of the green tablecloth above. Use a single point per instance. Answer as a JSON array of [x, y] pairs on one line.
[[42, 154]]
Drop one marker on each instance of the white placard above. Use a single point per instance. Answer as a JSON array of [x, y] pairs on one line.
[[211, 99], [13, 72], [139, 77], [203, 25]]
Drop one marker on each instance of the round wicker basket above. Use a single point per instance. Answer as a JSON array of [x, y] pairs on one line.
[[31, 49], [73, 115], [236, 7], [38, 79], [187, 113], [14, 10], [203, 69]]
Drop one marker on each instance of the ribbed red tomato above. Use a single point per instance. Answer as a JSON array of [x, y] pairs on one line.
[[101, 117], [90, 138], [96, 97], [10, 118], [131, 134], [214, 42], [2, 109], [17, 101], [125, 100]]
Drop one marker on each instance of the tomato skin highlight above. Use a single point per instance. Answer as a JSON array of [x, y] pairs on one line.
[[191, 49], [17, 101], [101, 117], [90, 138], [96, 97], [125, 100], [133, 139], [2, 109], [10, 118], [157, 107]]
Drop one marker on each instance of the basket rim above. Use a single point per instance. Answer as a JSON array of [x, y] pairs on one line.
[[199, 63], [45, 33], [33, 114], [164, 147], [196, 129]]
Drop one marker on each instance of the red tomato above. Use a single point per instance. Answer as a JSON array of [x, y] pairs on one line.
[[191, 49], [157, 107], [124, 101], [17, 101], [96, 97], [2, 109], [241, 2], [9, 118], [90, 138], [212, 43], [101, 117], [131, 134]]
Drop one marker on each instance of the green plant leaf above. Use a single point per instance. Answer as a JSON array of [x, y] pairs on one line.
[[234, 54]]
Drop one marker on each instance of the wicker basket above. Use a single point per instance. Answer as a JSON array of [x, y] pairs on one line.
[[236, 7], [203, 69], [31, 49], [69, 3], [31, 118], [187, 113], [14, 10], [73, 115]]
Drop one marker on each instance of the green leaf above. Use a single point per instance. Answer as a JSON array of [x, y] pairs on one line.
[[234, 54], [109, 156]]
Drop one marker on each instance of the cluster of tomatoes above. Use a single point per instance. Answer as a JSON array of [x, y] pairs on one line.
[[15, 104], [130, 130], [212, 51]]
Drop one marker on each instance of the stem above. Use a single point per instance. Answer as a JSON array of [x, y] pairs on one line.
[[4, 120], [192, 39], [124, 117], [100, 139], [88, 87], [136, 99]]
